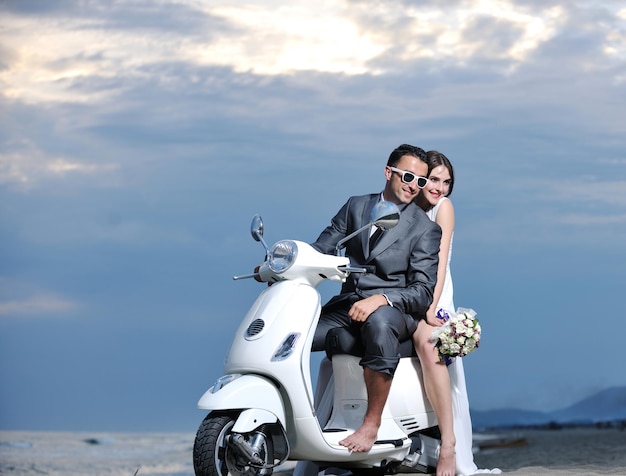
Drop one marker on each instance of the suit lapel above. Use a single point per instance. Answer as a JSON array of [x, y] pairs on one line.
[[407, 217], [365, 219]]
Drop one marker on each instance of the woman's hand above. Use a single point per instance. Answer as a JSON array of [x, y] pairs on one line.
[[432, 319], [256, 273]]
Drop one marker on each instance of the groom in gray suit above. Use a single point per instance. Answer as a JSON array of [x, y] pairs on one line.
[[378, 307]]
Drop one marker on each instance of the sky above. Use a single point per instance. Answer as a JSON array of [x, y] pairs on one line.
[[138, 138]]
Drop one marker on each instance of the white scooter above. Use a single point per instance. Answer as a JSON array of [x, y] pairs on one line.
[[263, 411]]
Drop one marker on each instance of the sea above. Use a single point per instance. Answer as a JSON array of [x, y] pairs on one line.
[[521, 452]]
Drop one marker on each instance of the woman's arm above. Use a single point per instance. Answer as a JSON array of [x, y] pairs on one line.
[[445, 219]]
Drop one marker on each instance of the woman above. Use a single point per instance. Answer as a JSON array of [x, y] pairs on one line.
[[433, 199]]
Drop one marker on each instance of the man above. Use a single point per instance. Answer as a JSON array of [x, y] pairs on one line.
[[378, 306]]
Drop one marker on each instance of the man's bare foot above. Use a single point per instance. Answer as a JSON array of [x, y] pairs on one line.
[[362, 440], [446, 466]]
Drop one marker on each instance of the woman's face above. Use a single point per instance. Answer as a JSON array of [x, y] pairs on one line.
[[438, 185]]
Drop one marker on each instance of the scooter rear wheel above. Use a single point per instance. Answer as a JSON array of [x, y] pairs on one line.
[[212, 455]]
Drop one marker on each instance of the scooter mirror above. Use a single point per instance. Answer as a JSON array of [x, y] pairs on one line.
[[256, 227], [385, 215]]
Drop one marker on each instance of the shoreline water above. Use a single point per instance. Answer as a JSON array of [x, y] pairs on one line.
[[579, 451]]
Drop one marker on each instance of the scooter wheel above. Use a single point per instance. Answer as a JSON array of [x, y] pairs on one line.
[[212, 455]]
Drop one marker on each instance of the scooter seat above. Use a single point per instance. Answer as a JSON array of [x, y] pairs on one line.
[[341, 341]]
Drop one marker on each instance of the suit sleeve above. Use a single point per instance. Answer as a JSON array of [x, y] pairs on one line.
[[333, 233]]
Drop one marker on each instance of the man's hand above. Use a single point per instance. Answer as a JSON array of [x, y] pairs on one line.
[[258, 278], [362, 309]]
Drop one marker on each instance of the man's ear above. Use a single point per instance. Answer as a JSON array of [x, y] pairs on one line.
[[388, 173]]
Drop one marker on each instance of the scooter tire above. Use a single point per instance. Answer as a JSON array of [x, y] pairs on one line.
[[211, 455]]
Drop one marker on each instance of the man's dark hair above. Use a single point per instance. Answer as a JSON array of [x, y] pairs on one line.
[[406, 149]]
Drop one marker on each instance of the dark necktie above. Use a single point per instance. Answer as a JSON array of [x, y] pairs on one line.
[[375, 237]]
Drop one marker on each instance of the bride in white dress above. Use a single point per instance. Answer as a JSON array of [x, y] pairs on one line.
[[434, 200]]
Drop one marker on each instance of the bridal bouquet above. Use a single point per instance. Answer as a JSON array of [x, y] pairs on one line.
[[459, 336]]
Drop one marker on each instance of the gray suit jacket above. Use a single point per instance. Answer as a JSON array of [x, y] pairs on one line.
[[405, 257]]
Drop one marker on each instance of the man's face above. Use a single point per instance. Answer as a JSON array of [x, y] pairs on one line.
[[396, 190]]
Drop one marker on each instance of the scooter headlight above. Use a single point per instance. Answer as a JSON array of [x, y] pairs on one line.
[[282, 255]]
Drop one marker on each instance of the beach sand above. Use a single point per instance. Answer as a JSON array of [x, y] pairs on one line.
[[587, 451]]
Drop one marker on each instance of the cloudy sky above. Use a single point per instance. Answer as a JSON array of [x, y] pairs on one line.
[[139, 137]]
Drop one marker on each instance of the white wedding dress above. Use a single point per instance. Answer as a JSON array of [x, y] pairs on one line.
[[460, 402]]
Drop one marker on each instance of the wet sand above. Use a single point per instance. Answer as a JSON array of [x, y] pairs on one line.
[[587, 451]]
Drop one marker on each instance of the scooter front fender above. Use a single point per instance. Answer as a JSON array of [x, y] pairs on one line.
[[247, 392]]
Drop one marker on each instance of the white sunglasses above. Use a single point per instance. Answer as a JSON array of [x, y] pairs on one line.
[[410, 177]]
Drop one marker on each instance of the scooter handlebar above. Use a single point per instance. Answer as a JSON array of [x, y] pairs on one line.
[[359, 269], [295, 260], [245, 276], [262, 273]]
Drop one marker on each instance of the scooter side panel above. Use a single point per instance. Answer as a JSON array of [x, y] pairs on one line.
[[406, 411], [253, 418], [407, 400], [284, 309], [246, 392]]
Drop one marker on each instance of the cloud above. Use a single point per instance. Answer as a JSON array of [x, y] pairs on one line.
[[586, 220], [91, 41], [588, 190], [63, 167], [20, 299], [113, 229], [113, 45], [301, 37], [360, 38], [37, 306], [139, 137], [29, 166]]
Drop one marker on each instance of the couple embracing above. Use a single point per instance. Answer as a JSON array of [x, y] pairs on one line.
[[400, 301]]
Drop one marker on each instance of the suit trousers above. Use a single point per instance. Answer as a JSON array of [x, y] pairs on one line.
[[380, 334]]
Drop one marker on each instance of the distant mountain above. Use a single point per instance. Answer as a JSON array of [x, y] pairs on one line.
[[507, 417], [607, 405]]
